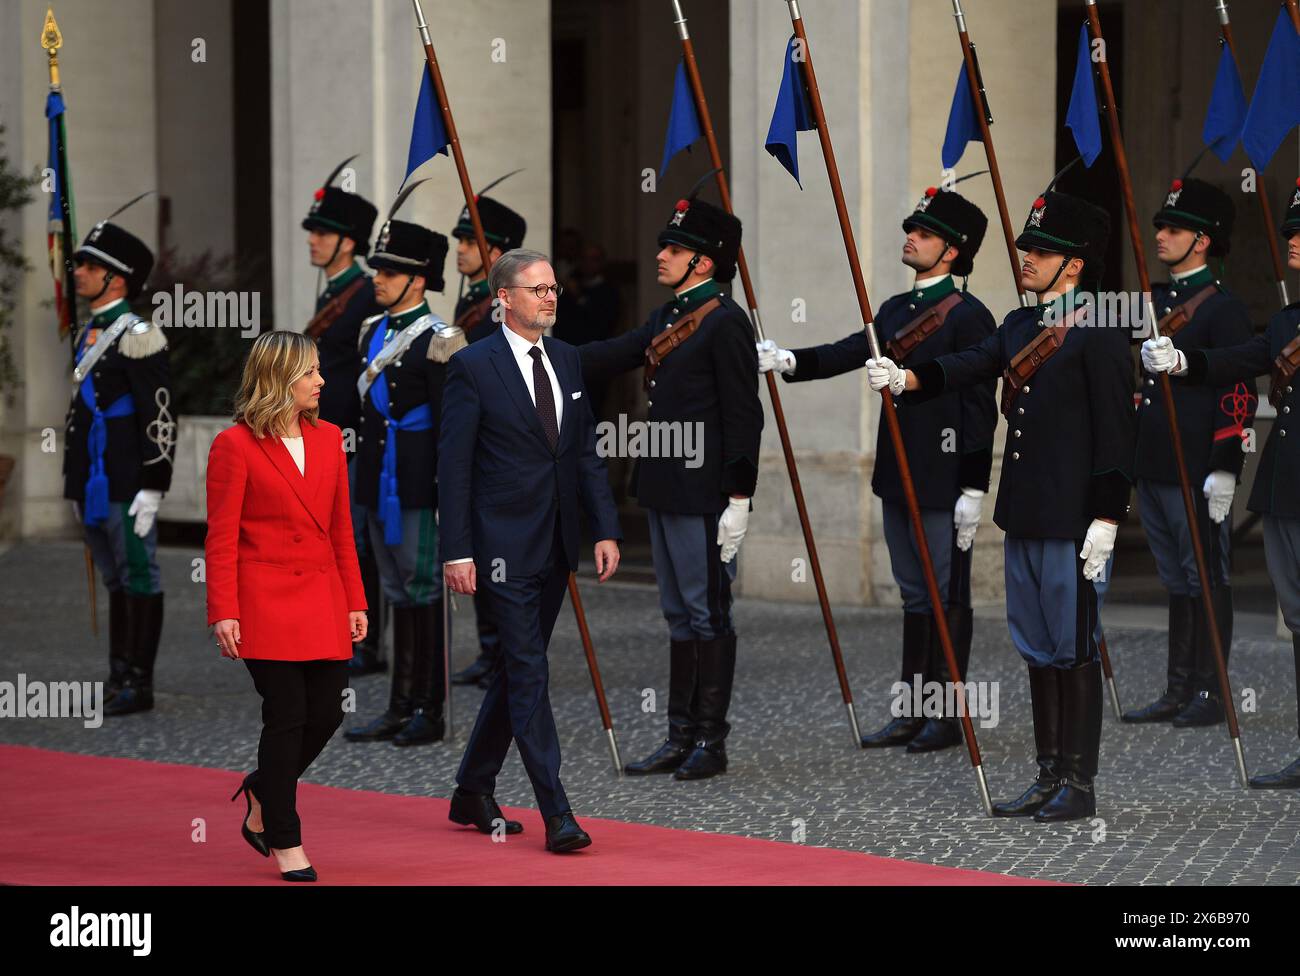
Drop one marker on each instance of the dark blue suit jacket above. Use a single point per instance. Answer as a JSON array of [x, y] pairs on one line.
[[500, 486]]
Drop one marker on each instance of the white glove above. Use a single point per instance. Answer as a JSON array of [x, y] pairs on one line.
[[1098, 544], [1219, 488], [883, 372], [1160, 356], [771, 356], [144, 508], [966, 516], [731, 527]]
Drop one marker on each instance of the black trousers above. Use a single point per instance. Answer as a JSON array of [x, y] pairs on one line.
[[302, 706], [517, 706]]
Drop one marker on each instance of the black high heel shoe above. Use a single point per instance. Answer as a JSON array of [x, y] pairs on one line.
[[256, 840], [300, 874]]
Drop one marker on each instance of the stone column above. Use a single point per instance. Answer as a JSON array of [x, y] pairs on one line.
[[345, 77]]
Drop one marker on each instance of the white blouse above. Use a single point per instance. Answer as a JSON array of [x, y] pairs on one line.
[[296, 450]]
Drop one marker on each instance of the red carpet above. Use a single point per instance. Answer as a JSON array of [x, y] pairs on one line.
[[74, 819]]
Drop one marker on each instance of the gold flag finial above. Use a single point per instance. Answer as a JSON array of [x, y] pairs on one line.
[[51, 41]]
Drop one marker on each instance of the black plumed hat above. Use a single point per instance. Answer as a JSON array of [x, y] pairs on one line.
[[700, 226], [341, 212], [955, 219]]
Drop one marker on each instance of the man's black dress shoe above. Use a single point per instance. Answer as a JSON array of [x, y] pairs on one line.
[[666, 759], [1287, 778], [479, 810], [563, 834]]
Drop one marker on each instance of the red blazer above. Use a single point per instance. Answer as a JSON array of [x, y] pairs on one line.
[[280, 553]]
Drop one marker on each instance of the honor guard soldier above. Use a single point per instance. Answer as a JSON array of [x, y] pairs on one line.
[[120, 439], [405, 351], [1067, 394], [949, 444], [1194, 224], [701, 374], [504, 230], [338, 235], [1276, 493]]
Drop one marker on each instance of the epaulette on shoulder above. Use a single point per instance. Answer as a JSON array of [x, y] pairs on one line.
[[445, 341], [142, 338], [365, 327]]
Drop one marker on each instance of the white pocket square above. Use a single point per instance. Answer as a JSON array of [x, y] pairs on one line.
[[575, 395]]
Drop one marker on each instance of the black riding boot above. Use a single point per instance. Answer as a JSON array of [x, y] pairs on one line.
[[682, 702], [717, 669], [367, 655], [1182, 658], [1045, 697], [399, 699], [1081, 708], [430, 680], [1287, 778], [1206, 706], [916, 656], [144, 616], [119, 643], [489, 660], [940, 733]]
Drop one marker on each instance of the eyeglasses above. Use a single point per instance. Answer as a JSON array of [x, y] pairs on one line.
[[541, 291]]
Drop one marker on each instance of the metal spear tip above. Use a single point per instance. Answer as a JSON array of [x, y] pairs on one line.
[[51, 36]]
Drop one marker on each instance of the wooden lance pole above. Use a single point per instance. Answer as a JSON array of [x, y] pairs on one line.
[[887, 400], [472, 204]]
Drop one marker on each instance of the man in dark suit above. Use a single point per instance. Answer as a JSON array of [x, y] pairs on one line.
[[516, 459]]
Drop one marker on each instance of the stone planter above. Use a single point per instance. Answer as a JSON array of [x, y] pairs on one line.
[[187, 501]]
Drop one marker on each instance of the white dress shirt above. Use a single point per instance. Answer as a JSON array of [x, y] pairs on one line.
[[520, 347], [297, 452]]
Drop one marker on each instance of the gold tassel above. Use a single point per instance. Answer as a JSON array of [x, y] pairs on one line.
[[446, 342], [140, 345]]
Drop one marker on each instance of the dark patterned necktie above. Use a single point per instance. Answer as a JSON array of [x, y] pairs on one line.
[[544, 397]]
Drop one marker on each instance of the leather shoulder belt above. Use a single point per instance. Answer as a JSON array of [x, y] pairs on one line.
[[673, 336], [332, 309], [1029, 360], [921, 328], [1173, 323], [473, 316], [1284, 370]]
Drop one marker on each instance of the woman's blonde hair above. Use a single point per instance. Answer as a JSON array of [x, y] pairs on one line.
[[265, 401]]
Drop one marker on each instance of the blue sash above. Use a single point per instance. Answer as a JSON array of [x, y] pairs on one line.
[[417, 418], [95, 507]]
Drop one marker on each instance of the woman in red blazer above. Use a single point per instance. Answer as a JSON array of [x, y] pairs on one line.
[[284, 588]]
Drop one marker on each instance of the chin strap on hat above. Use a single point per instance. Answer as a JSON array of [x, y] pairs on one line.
[[410, 280], [1188, 253], [695, 259], [1051, 284]]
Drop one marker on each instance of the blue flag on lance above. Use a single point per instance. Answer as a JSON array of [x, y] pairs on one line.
[[790, 116], [683, 122], [1227, 110], [60, 228], [963, 124], [1082, 115], [428, 134], [1275, 107]]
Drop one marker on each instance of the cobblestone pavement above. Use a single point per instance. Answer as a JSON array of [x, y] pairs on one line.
[[1170, 811]]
